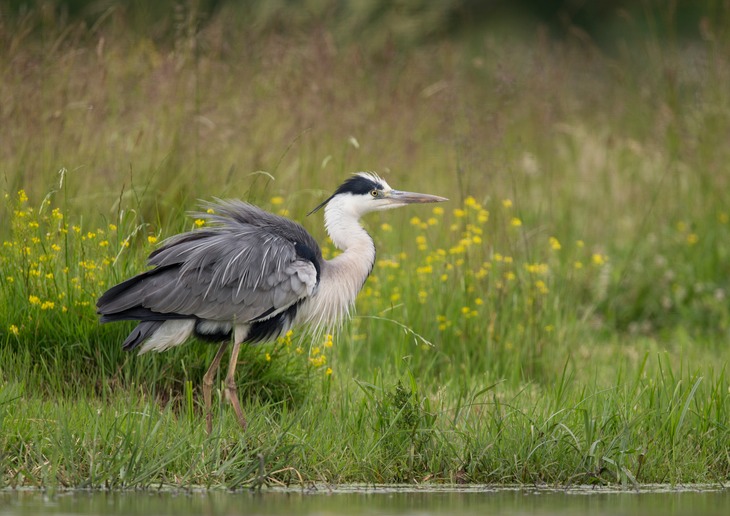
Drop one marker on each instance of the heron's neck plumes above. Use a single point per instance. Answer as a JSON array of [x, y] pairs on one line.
[[343, 276], [342, 222]]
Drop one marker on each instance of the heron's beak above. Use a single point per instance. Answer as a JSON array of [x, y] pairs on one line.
[[398, 198]]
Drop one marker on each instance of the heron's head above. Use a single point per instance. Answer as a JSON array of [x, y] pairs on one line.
[[365, 192]]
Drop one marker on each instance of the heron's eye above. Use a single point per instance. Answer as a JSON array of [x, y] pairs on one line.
[[374, 193]]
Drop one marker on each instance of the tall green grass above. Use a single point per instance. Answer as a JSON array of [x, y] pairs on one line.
[[564, 319]]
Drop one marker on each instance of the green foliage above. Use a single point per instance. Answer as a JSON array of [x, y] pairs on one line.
[[563, 319]]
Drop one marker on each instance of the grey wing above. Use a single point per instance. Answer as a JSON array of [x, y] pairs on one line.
[[245, 280], [236, 271]]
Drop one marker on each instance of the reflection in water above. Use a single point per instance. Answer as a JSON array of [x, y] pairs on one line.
[[372, 502]]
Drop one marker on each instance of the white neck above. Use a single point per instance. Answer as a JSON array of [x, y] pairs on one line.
[[343, 276], [342, 222]]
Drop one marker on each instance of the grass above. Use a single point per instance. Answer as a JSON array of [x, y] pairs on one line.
[[564, 319]]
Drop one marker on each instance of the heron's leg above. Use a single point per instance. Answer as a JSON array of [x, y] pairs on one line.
[[231, 389], [208, 386]]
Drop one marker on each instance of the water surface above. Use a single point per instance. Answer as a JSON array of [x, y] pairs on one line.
[[473, 500]]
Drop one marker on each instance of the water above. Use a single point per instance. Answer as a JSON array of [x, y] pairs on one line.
[[374, 502]]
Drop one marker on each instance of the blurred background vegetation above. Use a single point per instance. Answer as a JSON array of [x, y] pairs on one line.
[[407, 21], [584, 146], [605, 121]]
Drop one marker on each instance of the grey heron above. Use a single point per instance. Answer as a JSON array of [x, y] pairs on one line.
[[249, 276]]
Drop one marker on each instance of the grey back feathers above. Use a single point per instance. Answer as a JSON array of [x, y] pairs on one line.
[[246, 267]]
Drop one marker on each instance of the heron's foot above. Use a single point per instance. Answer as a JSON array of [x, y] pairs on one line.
[[232, 396]]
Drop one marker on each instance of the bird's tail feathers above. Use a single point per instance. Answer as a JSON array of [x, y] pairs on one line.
[[140, 333], [159, 335]]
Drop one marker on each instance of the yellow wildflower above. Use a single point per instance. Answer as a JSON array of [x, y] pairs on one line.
[[536, 268], [507, 203], [277, 200], [598, 259], [328, 372], [22, 196], [554, 243], [438, 210], [692, 239], [318, 361], [424, 269], [458, 212], [199, 222], [47, 305], [14, 330], [34, 300], [516, 222], [152, 239], [386, 227]]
